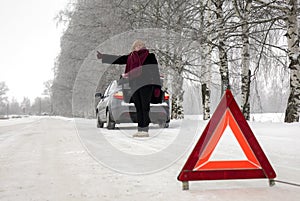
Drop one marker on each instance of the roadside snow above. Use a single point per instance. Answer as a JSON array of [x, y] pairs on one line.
[[21, 120], [69, 159]]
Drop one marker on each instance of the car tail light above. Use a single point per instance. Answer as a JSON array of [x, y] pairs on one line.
[[119, 95], [167, 96]]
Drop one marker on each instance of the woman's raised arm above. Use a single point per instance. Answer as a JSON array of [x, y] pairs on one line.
[[112, 59]]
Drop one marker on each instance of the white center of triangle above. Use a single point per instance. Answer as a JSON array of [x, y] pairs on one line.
[[228, 148]]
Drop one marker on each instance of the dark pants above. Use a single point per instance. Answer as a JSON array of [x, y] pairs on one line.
[[142, 98]]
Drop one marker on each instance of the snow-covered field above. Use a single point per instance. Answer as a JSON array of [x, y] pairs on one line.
[[55, 158]]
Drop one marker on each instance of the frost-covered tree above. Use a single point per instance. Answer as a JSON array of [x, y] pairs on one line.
[[14, 107], [293, 106], [89, 23], [222, 47], [243, 10], [25, 105], [175, 56], [239, 44], [168, 15], [3, 98], [288, 12], [3, 91]]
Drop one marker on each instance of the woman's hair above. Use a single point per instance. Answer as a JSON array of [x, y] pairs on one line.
[[137, 42]]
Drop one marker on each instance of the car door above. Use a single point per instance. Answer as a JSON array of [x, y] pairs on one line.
[[105, 101]]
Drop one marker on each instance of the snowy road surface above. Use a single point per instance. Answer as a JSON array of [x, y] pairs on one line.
[[60, 159]]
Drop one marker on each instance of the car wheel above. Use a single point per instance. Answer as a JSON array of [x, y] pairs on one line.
[[164, 125], [100, 124], [110, 124]]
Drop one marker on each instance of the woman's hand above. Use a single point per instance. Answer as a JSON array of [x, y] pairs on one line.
[[124, 75], [99, 55]]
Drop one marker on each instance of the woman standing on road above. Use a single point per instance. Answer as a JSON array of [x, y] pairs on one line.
[[143, 73]]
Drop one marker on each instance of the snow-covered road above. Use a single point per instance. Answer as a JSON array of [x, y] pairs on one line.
[[51, 158]]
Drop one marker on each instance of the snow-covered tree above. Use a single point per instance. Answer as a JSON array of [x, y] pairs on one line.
[[222, 47], [88, 24], [239, 44], [288, 12], [293, 106], [243, 12], [14, 107], [3, 98], [3, 91], [25, 105]]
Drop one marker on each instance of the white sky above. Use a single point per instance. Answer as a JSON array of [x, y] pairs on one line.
[[29, 44]]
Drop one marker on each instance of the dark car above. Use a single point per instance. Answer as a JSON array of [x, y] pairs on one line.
[[115, 106]]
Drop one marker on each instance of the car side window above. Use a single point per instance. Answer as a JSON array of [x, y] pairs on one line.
[[106, 91], [112, 88]]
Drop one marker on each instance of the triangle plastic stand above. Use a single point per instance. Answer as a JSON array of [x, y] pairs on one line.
[[198, 165]]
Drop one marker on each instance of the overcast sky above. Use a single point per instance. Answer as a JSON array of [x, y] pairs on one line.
[[29, 44]]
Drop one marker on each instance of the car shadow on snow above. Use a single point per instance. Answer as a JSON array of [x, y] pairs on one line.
[[151, 127], [135, 128]]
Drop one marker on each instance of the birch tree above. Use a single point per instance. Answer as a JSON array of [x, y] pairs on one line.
[[206, 51], [224, 72], [290, 10], [243, 12], [243, 33], [293, 105]]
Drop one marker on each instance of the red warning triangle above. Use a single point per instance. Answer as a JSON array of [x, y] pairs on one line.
[[200, 167]]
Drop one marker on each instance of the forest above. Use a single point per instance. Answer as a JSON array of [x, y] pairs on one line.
[[41, 105], [203, 47]]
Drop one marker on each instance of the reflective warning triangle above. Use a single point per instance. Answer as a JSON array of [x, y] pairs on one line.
[[200, 167]]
